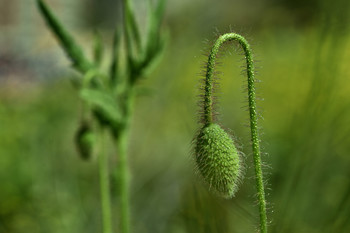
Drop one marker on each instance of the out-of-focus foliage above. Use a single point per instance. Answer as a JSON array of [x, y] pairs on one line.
[[45, 187]]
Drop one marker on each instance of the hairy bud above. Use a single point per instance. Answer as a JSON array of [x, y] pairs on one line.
[[217, 160]]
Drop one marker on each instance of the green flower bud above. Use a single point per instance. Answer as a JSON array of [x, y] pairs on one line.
[[217, 160], [84, 140]]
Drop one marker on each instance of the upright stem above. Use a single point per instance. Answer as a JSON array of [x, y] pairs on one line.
[[104, 185], [208, 112], [123, 176], [122, 170]]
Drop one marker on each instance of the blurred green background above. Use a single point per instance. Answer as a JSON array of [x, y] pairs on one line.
[[303, 54]]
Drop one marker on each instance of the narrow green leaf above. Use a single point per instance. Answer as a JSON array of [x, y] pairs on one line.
[[155, 15], [132, 36], [98, 48], [154, 44], [132, 30], [156, 41], [104, 103], [153, 61], [115, 56], [71, 48], [90, 78]]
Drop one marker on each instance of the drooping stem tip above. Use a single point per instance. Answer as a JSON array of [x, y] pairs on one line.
[[208, 111]]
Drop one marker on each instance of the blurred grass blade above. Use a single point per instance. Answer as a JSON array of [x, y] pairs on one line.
[[104, 103], [155, 15], [132, 34], [115, 56], [151, 63], [98, 48], [69, 45], [155, 42]]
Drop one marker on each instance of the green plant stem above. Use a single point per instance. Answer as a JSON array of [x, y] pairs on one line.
[[104, 185], [208, 112], [122, 169], [123, 177]]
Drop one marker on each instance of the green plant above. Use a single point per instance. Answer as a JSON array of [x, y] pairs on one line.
[[109, 96], [215, 153]]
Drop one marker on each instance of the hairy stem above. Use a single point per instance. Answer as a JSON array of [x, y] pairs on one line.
[[104, 185], [208, 112]]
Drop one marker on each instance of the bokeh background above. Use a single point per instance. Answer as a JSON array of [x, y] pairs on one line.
[[303, 54]]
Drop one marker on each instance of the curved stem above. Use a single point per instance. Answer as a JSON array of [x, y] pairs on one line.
[[208, 112], [104, 185]]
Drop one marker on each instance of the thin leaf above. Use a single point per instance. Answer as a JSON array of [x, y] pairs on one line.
[[98, 49], [153, 33], [152, 62], [73, 51], [155, 41], [132, 35], [132, 25], [103, 103], [115, 56]]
